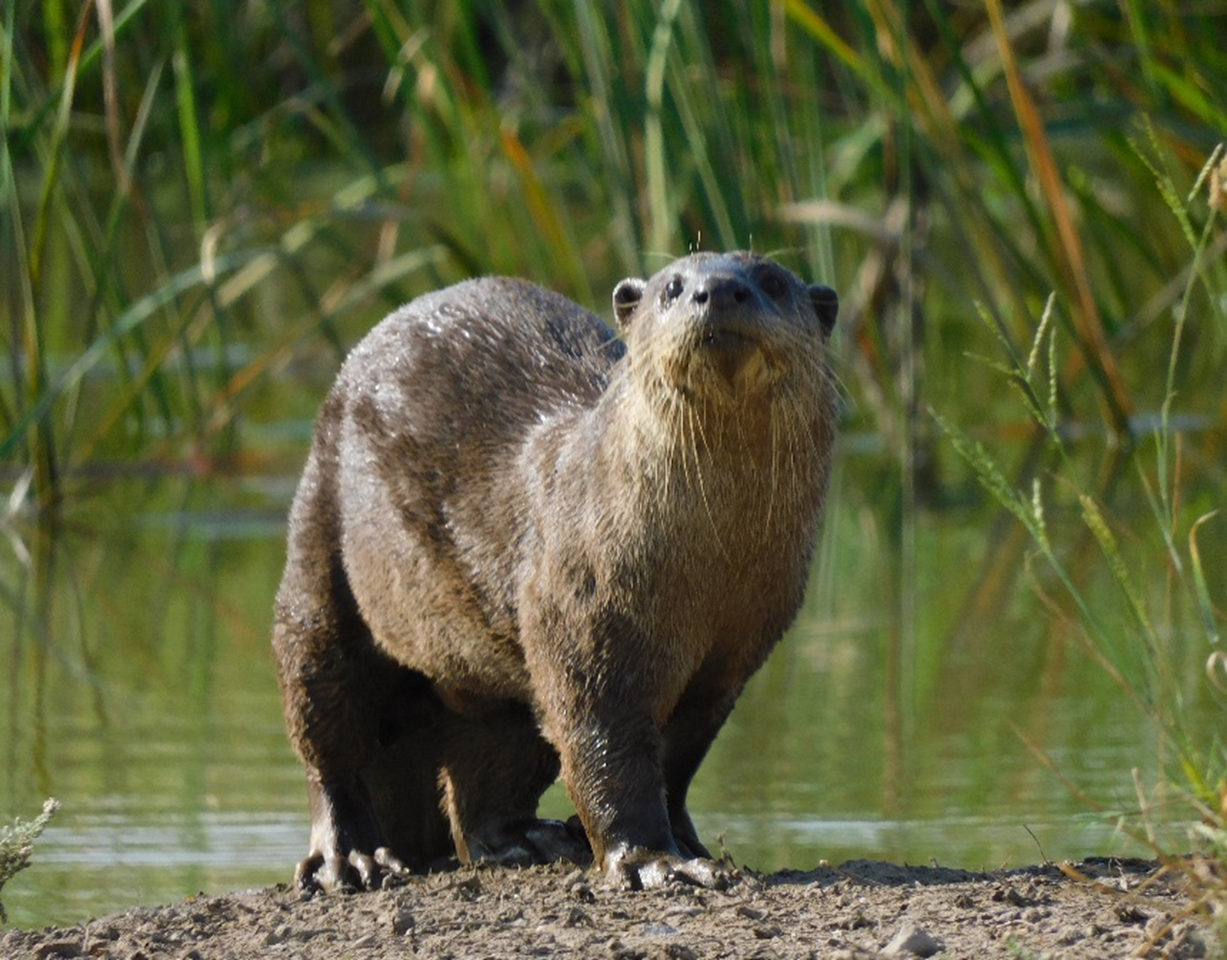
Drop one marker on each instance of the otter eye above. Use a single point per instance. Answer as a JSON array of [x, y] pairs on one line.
[[772, 284], [673, 289]]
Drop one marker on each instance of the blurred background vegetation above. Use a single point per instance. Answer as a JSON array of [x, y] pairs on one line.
[[196, 193], [201, 202]]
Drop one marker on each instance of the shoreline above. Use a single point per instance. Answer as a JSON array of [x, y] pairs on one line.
[[1098, 907]]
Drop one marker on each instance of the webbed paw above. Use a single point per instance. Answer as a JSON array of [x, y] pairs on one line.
[[637, 868], [338, 872], [529, 841]]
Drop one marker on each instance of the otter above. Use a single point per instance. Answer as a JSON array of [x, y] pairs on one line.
[[522, 547]]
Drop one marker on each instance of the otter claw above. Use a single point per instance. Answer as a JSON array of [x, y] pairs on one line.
[[305, 872], [335, 873], [391, 863], [705, 873], [647, 869], [647, 876], [324, 874]]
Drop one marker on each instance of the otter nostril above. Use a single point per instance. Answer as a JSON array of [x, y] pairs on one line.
[[722, 292]]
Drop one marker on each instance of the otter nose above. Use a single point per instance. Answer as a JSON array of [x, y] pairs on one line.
[[716, 293]]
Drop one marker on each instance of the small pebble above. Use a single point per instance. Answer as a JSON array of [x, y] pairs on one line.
[[280, 935], [402, 922], [914, 940]]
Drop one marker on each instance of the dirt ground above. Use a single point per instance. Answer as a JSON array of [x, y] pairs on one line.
[[1095, 908]]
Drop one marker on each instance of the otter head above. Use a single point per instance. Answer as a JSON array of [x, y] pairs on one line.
[[724, 326]]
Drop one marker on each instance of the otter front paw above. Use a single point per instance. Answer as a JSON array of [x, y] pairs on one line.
[[637, 868], [338, 872]]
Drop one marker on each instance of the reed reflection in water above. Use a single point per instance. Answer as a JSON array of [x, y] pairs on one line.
[[142, 694]]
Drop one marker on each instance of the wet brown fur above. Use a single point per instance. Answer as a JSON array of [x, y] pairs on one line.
[[519, 548]]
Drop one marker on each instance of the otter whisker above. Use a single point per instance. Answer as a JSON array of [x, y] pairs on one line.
[[697, 423], [775, 428]]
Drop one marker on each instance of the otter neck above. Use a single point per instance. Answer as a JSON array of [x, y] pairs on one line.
[[740, 473]]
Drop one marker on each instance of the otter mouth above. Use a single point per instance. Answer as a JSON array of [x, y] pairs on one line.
[[715, 338], [737, 355], [726, 333]]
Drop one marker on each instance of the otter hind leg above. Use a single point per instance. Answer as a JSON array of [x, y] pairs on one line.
[[335, 688], [496, 766], [333, 725], [402, 774], [340, 695], [373, 785]]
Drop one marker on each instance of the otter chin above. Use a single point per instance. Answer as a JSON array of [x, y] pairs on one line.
[[523, 548]]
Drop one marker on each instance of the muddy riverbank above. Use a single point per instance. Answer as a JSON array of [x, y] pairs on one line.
[[1094, 908]]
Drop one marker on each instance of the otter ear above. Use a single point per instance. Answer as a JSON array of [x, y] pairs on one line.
[[826, 305], [626, 297]]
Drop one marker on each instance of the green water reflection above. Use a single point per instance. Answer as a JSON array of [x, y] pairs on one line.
[[139, 690]]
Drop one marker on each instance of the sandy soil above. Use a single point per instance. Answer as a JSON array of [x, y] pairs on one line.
[[1096, 908]]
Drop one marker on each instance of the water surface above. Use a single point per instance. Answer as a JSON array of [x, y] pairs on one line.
[[139, 690]]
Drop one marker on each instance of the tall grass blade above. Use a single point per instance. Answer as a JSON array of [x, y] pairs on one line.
[[1092, 337], [663, 209], [126, 323], [189, 126], [22, 305], [1205, 606], [42, 451]]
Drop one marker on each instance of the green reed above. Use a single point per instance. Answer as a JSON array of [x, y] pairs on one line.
[[572, 143], [1166, 613]]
